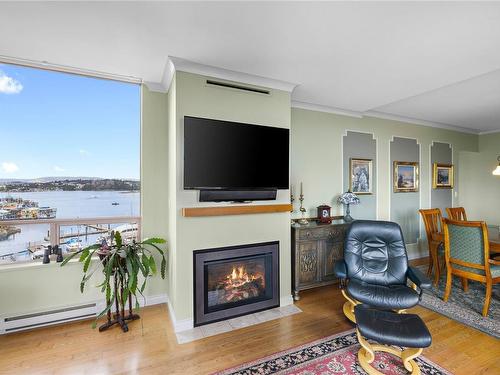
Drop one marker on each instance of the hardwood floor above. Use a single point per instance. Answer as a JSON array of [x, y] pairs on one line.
[[151, 347]]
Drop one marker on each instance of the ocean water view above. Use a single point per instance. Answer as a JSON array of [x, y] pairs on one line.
[[69, 205]]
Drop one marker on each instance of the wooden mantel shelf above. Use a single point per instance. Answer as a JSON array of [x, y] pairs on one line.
[[235, 210]]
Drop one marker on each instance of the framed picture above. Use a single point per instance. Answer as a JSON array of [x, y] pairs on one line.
[[442, 176], [360, 176], [405, 176]]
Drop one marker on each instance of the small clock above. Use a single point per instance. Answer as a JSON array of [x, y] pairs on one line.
[[324, 216]]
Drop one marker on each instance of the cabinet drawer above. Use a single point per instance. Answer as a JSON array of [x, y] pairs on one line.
[[328, 232]]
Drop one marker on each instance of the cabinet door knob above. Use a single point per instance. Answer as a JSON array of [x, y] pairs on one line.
[[308, 234]]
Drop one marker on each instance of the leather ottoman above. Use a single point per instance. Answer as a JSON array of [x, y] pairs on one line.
[[389, 328]]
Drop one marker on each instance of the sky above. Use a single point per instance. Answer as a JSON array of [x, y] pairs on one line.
[[59, 124]]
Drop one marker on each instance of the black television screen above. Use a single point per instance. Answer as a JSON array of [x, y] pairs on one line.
[[231, 155]]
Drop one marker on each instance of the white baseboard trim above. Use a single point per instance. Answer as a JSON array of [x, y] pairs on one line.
[[286, 300], [179, 325], [157, 299]]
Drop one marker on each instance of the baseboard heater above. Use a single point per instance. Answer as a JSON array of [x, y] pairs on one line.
[[23, 322]]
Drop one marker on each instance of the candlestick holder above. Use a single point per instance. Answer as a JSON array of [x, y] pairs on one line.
[[292, 222], [302, 220]]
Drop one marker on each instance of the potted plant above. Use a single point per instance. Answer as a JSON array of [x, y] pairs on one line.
[[122, 265]]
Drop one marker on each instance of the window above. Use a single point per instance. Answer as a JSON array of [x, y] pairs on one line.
[[69, 157]]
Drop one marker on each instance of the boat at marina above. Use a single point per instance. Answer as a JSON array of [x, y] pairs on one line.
[[128, 233], [73, 244]]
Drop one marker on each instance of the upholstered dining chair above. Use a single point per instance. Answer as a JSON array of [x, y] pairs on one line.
[[432, 221], [467, 254], [456, 213], [375, 269]]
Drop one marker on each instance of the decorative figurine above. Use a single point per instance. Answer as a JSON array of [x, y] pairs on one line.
[[302, 220]]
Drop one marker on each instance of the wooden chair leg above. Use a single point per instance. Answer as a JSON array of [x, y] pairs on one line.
[[487, 298], [448, 286], [465, 284], [429, 267], [435, 260]]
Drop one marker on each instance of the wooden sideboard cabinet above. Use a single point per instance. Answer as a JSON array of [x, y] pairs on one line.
[[315, 249]]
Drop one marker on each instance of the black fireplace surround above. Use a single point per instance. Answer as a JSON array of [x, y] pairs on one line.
[[236, 280]]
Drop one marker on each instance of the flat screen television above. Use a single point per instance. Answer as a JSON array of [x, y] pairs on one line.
[[224, 155]]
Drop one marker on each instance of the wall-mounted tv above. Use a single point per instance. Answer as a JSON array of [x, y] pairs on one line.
[[234, 156]]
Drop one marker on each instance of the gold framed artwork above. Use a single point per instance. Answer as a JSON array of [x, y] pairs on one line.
[[405, 177], [442, 176], [360, 176]]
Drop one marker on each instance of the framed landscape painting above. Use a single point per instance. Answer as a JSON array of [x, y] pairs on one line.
[[442, 177], [405, 177], [360, 176]]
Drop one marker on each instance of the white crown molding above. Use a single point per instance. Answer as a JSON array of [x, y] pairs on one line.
[[409, 120], [490, 132], [164, 85], [230, 75], [382, 115], [155, 87], [324, 108], [68, 69]]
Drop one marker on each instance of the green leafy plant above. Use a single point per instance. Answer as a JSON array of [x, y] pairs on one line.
[[126, 261]]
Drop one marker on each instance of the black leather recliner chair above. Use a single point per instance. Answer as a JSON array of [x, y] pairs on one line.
[[375, 269]]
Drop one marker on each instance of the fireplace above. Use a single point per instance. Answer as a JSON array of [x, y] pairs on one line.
[[234, 281]]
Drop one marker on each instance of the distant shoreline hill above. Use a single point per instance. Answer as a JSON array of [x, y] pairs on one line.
[[69, 184]]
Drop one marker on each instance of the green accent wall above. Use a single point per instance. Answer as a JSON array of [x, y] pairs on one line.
[[358, 145], [191, 96], [480, 189], [404, 206], [441, 153], [154, 174], [317, 157]]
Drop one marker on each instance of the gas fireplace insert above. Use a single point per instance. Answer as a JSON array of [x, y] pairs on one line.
[[234, 281]]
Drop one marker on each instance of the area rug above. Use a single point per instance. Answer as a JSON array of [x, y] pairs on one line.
[[330, 355], [467, 307]]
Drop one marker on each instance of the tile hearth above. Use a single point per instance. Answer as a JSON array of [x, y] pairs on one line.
[[212, 329]]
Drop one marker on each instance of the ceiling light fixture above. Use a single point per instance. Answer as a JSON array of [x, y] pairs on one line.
[[496, 171]]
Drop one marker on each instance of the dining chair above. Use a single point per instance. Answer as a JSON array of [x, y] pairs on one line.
[[432, 220], [456, 213], [467, 255]]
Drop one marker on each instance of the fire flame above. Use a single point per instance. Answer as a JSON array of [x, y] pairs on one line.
[[239, 276]]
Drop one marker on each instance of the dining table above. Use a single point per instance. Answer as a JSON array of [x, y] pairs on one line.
[[494, 238]]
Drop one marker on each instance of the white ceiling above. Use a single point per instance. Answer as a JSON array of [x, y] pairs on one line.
[[432, 62]]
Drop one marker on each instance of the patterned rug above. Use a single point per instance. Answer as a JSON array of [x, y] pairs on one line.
[[330, 355], [466, 307]]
